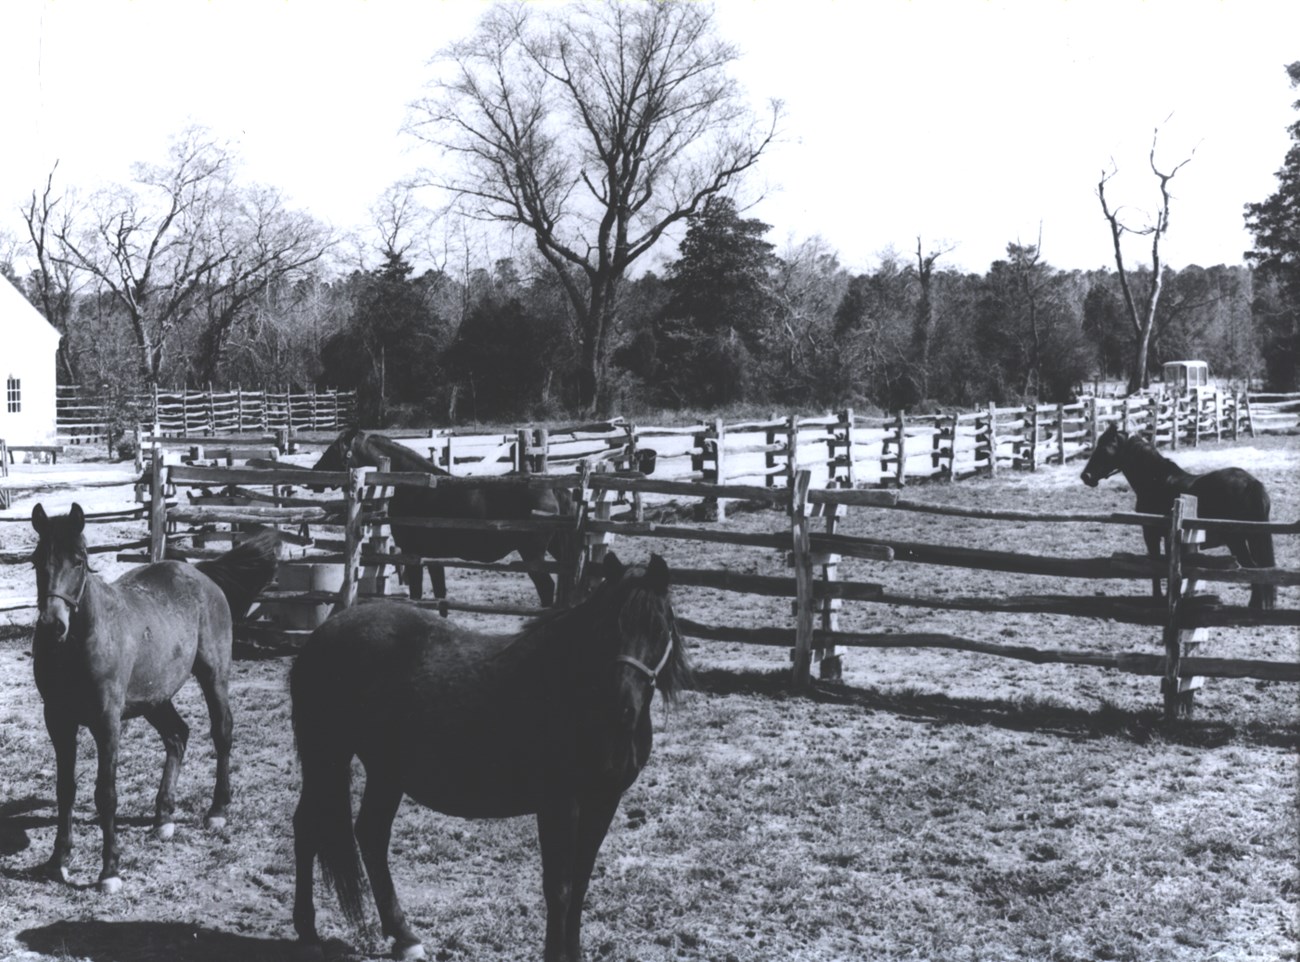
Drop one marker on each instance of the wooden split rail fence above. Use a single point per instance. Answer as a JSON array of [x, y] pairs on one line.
[[815, 585]]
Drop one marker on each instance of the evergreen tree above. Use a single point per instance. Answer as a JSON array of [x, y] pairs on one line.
[[710, 336], [1275, 222]]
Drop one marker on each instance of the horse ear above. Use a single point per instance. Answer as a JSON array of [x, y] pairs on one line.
[[78, 518], [613, 567], [657, 574], [39, 518]]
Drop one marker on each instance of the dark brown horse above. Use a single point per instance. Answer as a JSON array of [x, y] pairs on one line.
[[554, 721], [1228, 493], [358, 448], [104, 652]]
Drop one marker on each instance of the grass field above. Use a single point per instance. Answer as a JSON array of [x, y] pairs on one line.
[[935, 806]]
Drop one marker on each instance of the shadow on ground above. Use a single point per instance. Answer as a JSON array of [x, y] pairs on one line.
[[158, 942], [1028, 715]]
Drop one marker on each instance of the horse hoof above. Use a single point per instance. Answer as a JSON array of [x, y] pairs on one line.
[[409, 953], [214, 822], [166, 830], [57, 872], [111, 885]]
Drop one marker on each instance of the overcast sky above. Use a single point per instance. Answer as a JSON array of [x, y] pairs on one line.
[[971, 123]]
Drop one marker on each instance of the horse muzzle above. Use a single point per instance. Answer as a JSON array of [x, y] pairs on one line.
[[53, 621], [1090, 479]]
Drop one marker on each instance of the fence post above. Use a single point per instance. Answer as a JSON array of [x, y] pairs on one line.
[[351, 538], [1235, 413], [1031, 429], [1154, 406], [900, 426], [1060, 433], [1178, 692], [1250, 420], [830, 663], [1218, 415], [991, 439], [1124, 416], [801, 559], [791, 449], [572, 543], [936, 446], [157, 506], [949, 434], [1094, 421]]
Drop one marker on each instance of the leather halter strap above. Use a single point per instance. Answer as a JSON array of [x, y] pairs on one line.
[[651, 674], [72, 603]]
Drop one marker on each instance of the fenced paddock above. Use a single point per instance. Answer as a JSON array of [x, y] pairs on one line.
[[945, 805]]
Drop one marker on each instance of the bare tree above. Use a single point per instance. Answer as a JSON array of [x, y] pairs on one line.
[[186, 248], [923, 330], [54, 281], [595, 128], [1143, 320]]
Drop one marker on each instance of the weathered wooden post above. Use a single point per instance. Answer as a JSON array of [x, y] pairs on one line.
[[1250, 419], [949, 434], [1178, 691], [568, 578], [1031, 432], [351, 538], [791, 449], [1235, 411], [991, 439], [936, 445], [1154, 429], [1124, 416], [519, 452], [801, 560], [850, 475], [157, 505], [900, 430], [1218, 415], [1060, 434], [830, 663], [1094, 421]]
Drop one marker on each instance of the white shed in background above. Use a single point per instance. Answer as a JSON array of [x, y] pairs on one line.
[[28, 365]]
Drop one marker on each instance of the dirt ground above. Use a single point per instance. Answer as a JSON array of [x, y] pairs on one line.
[[935, 806]]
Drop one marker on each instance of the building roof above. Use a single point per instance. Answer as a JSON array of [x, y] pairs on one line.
[[18, 316]]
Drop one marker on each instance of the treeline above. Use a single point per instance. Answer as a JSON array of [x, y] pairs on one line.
[[189, 277], [731, 321]]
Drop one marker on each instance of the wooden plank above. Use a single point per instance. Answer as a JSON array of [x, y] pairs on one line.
[[1131, 662]]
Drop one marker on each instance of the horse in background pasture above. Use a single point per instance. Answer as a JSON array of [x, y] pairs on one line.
[[1231, 494], [358, 448]]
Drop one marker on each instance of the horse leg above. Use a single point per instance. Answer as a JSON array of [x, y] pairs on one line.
[[557, 830], [1256, 552], [175, 734], [595, 814], [438, 585], [63, 732], [374, 829], [108, 733], [541, 580], [213, 678]]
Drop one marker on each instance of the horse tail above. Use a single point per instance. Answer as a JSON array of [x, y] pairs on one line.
[[323, 819], [243, 571]]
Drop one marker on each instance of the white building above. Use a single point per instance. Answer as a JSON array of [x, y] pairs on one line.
[[28, 345]]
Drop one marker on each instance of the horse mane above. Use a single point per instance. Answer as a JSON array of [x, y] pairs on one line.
[[1141, 451], [556, 624]]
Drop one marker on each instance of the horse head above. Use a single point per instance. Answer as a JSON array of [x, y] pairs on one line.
[[640, 650], [339, 456], [62, 569], [1107, 456]]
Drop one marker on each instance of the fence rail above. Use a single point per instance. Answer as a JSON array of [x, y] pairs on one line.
[[814, 584]]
